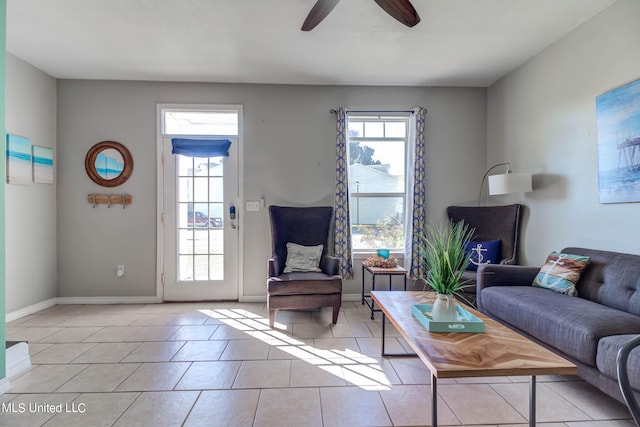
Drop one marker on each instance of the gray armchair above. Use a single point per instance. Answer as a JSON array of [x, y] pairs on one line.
[[490, 223], [306, 226]]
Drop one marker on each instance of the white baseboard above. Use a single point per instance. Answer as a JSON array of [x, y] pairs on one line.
[[108, 300], [254, 298], [18, 359], [14, 315], [30, 309], [34, 308], [5, 385], [351, 297]]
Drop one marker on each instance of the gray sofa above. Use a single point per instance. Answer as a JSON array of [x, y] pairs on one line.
[[588, 329]]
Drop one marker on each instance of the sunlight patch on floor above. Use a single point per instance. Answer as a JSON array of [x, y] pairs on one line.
[[355, 368]]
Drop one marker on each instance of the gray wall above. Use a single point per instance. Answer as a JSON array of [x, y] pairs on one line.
[[30, 209], [289, 159], [542, 118]]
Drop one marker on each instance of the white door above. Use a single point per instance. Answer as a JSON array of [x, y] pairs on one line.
[[200, 223]]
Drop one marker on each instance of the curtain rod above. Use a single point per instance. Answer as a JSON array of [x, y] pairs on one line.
[[334, 111]]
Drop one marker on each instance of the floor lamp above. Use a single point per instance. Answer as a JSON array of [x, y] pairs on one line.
[[505, 183]]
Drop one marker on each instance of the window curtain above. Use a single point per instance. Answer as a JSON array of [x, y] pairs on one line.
[[415, 210], [342, 239], [201, 147]]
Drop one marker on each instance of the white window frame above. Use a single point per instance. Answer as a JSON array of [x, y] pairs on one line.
[[379, 117]]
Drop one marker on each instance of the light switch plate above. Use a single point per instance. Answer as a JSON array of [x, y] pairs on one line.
[[253, 206]]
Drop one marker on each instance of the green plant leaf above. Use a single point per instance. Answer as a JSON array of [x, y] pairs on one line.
[[444, 256]]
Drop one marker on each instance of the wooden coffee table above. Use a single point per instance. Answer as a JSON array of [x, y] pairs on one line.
[[499, 351]]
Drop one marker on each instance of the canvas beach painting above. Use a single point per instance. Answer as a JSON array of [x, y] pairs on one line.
[[618, 120], [18, 160], [42, 164]]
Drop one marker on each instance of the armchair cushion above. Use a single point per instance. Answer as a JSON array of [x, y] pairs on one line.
[[303, 283], [302, 258]]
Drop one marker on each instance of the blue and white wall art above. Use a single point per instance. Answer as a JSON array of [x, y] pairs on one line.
[[109, 164], [42, 164], [618, 117], [18, 160]]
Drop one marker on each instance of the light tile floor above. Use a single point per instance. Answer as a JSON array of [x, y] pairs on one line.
[[209, 364]]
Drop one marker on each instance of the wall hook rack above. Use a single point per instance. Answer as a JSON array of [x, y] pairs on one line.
[[110, 199]]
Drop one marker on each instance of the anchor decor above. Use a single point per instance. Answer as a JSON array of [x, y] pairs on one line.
[[561, 272], [477, 260], [480, 253]]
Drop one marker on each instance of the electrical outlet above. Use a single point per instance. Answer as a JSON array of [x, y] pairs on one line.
[[120, 270]]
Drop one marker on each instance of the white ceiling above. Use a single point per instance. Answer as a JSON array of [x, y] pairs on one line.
[[457, 42]]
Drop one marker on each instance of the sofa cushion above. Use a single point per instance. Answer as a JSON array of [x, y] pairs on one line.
[[572, 325], [561, 272], [606, 360], [612, 279]]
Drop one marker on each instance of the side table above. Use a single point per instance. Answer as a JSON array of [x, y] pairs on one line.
[[378, 271]]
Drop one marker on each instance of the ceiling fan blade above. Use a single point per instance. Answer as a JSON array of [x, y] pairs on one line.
[[402, 10], [318, 12]]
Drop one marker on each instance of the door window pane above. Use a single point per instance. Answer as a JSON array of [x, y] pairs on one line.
[[185, 268], [216, 190], [201, 267], [201, 123], [216, 267], [185, 190]]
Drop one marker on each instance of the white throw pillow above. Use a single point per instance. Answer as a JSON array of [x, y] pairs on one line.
[[303, 258]]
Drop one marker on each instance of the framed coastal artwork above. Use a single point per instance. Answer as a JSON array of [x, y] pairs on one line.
[[42, 164], [18, 160], [618, 120]]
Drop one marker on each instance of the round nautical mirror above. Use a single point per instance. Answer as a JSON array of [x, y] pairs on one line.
[[108, 163]]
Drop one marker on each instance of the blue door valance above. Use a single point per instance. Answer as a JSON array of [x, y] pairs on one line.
[[201, 147]]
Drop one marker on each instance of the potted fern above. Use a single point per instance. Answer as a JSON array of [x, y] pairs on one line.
[[445, 258]]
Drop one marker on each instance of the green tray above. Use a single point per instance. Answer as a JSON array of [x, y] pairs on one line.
[[466, 322]]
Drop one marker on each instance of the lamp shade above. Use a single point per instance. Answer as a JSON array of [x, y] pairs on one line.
[[507, 183]]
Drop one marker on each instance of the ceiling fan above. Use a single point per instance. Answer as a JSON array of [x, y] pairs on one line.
[[402, 10]]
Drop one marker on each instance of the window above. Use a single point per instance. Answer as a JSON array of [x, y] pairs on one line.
[[377, 188], [189, 122]]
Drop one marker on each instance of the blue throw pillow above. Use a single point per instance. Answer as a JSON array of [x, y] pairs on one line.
[[484, 253]]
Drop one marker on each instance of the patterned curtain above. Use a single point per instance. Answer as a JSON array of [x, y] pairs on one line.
[[415, 211], [342, 240]]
